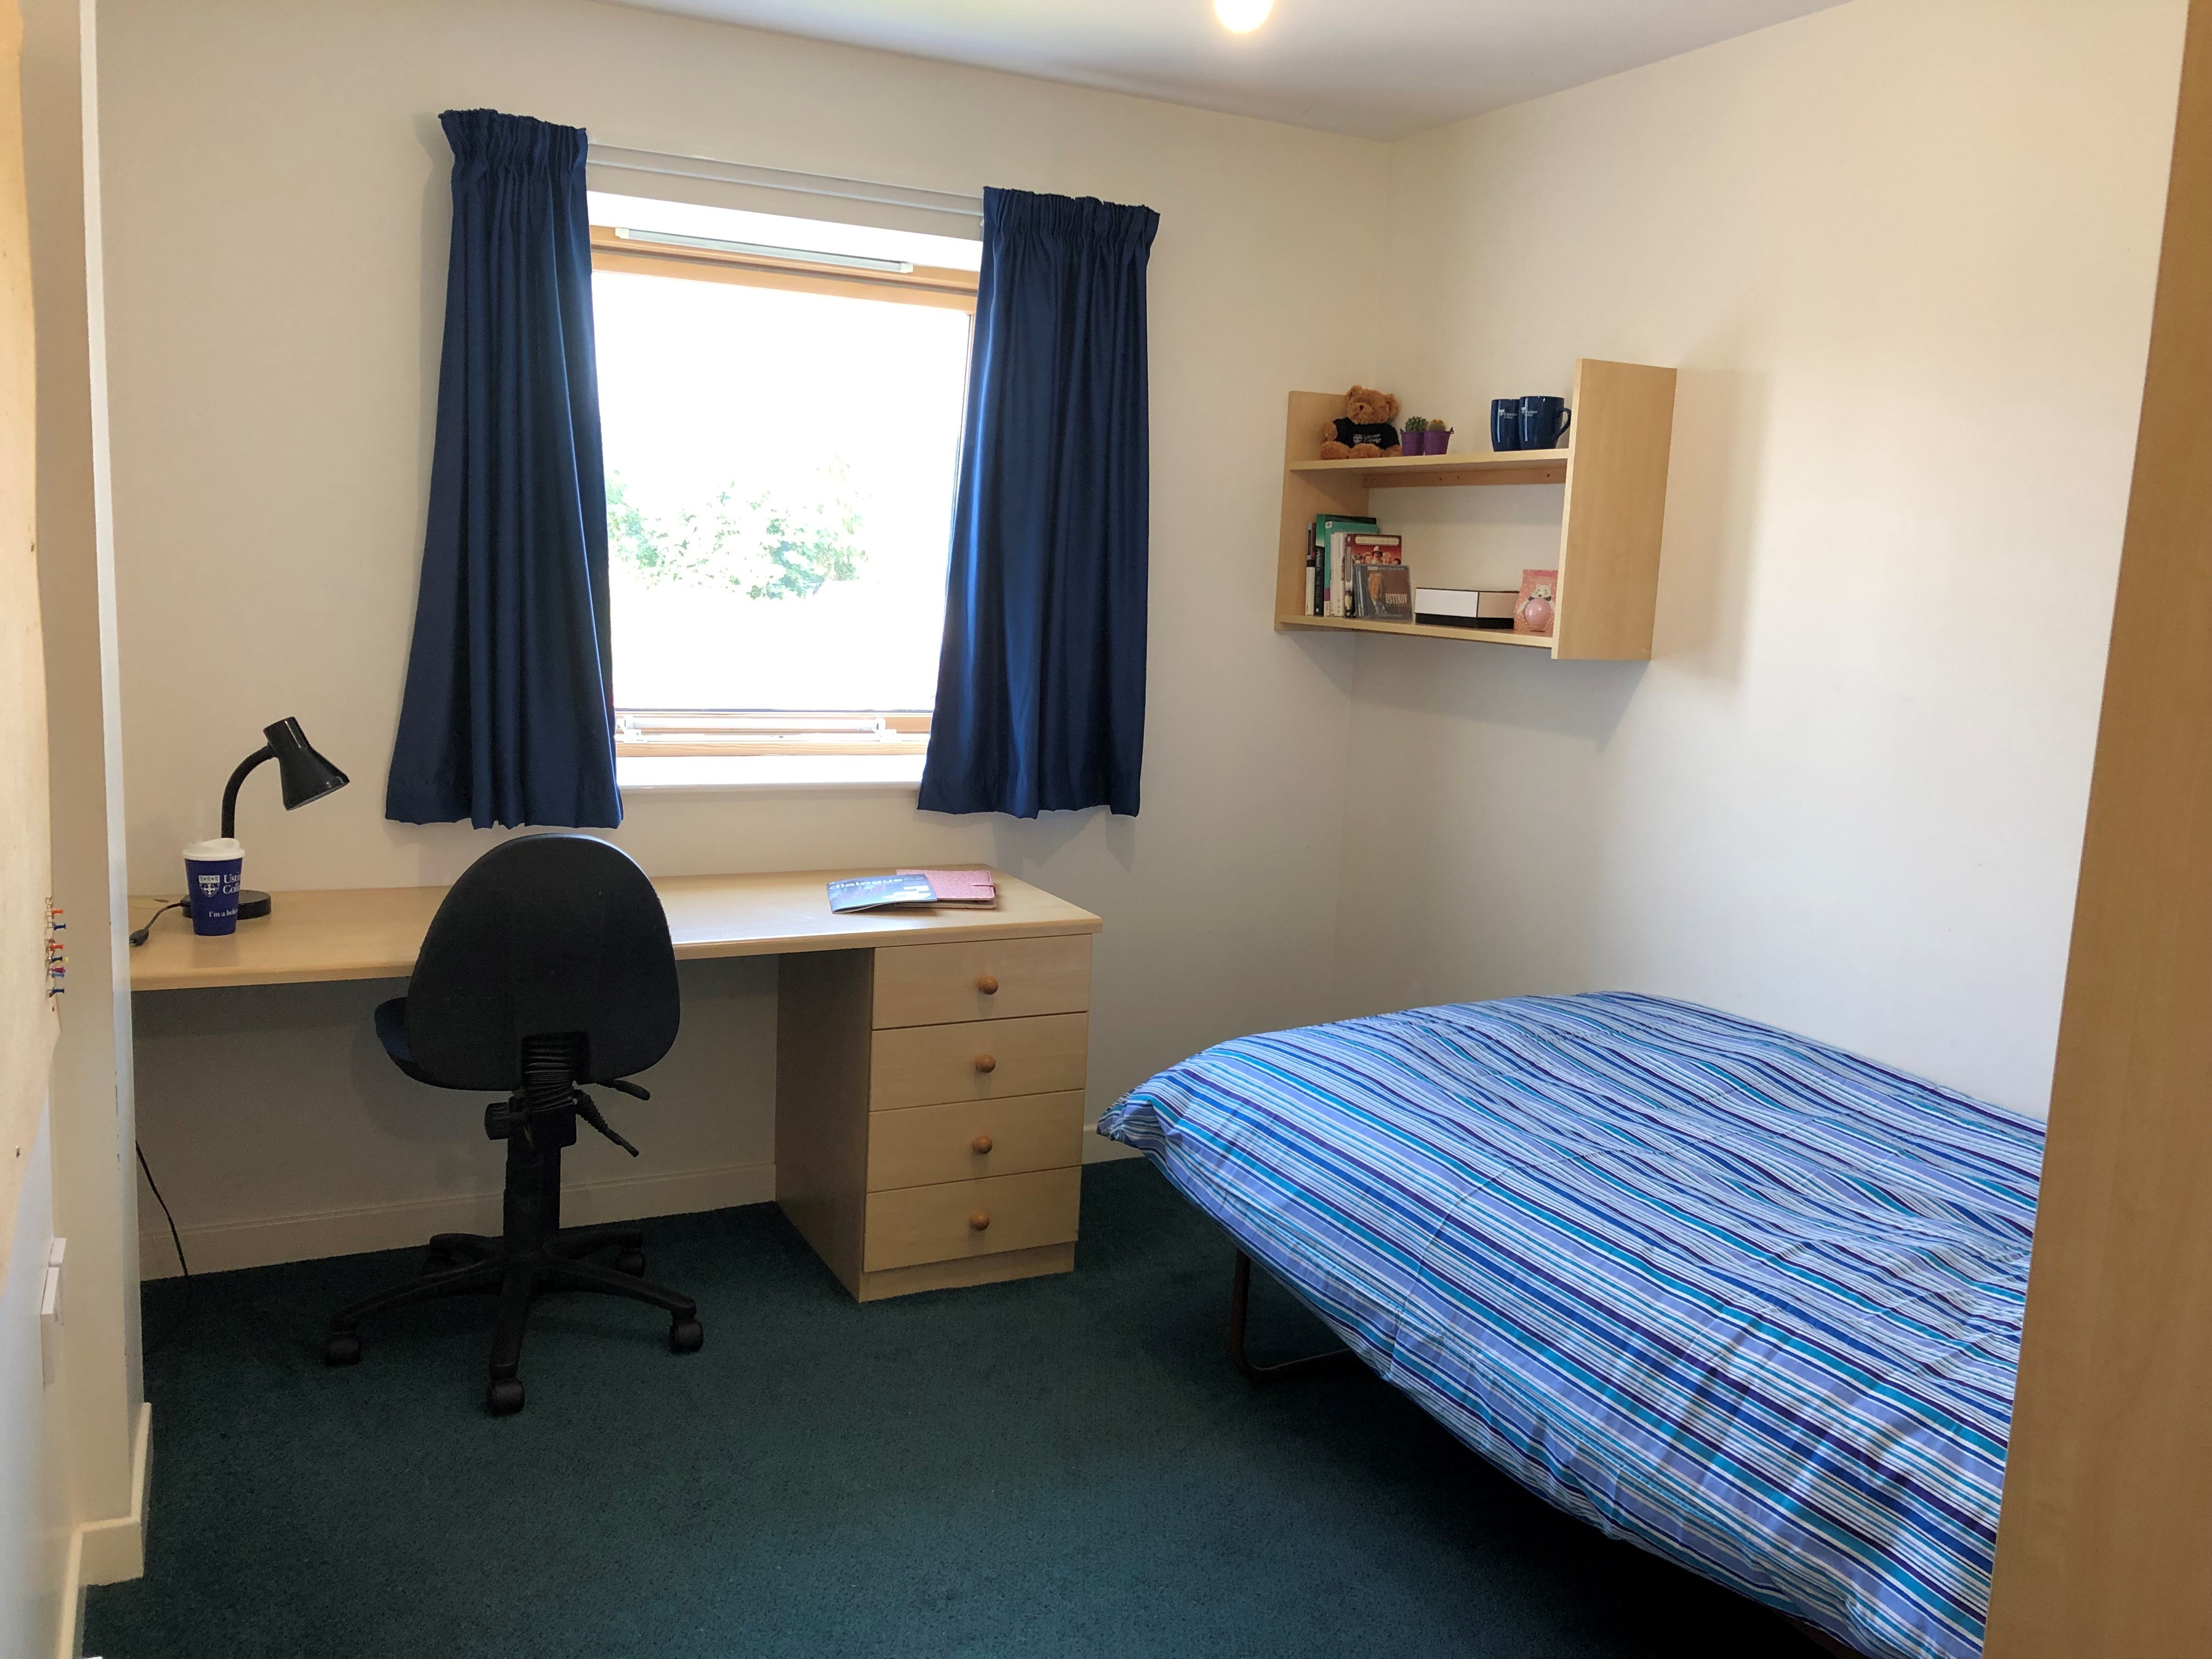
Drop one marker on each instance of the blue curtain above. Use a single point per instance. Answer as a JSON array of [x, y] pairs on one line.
[[507, 716], [1040, 688]]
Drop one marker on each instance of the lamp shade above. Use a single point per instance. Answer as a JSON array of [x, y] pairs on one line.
[[306, 775]]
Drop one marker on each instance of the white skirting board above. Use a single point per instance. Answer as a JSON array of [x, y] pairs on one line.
[[113, 1551], [107, 1552], [263, 1242], [69, 1640]]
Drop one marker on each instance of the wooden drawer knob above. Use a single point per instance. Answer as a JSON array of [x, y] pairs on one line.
[[987, 984], [985, 1063], [979, 1219], [980, 1144]]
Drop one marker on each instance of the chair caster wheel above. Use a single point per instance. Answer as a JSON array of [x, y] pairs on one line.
[[631, 1263], [686, 1336], [342, 1348], [504, 1398]]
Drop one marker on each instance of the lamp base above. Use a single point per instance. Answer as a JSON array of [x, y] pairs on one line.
[[251, 903]]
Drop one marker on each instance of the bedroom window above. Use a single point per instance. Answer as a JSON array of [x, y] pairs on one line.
[[780, 401]]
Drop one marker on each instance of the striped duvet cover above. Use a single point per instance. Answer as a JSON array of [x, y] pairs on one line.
[[1745, 1300]]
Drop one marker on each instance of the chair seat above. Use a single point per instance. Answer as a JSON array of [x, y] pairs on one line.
[[392, 1032]]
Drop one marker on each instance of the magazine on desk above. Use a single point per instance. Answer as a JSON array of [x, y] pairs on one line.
[[916, 889], [881, 893]]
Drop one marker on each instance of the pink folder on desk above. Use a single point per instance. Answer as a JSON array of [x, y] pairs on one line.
[[974, 887]]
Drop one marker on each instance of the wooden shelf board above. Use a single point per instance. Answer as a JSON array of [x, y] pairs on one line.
[[1421, 630], [1474, 460]]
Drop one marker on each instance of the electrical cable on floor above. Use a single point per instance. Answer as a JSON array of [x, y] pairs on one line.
[[174, 1238]]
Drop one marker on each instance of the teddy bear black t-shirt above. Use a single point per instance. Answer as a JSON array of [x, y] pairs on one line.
[[1349, 436]]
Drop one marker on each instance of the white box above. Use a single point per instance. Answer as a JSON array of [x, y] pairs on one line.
[[1466, 607]]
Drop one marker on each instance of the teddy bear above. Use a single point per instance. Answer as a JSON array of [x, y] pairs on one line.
[[1364, 428]]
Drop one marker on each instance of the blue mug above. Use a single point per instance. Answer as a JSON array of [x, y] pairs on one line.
[[1544, 422], [1506, 423], [214, 871]]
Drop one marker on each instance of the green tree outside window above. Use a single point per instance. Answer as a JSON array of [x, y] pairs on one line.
[[761, 546]]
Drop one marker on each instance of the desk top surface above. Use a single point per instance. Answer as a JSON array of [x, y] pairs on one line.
[[374, 932]]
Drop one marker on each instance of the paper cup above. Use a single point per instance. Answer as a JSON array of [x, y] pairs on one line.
[[214, 871]]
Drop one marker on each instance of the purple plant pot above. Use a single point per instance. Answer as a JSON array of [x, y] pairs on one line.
[[1439, 442], [1417, 443]]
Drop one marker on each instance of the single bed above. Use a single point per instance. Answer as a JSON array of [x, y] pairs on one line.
[[1745, 1300]]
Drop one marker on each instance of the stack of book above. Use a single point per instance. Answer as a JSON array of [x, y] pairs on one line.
[[1354, 571]]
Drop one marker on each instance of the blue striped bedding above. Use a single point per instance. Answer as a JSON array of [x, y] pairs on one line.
[[1745, 1300]]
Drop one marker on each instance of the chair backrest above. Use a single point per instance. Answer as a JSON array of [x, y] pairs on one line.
[[543, 936]]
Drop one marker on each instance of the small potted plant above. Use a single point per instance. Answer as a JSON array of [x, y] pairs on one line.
[[1414, 436], [1438, 440]]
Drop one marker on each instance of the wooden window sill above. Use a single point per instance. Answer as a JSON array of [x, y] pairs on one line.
[[742, 774]]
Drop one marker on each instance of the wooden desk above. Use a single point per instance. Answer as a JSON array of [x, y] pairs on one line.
[[929, 1064]]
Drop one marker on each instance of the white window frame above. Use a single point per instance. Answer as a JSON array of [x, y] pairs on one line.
[[695, 732]]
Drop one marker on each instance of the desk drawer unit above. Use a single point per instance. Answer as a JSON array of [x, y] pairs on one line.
[[980, 1060], [998, 979], [929, 1109], [956, 1219], [967, 1139]]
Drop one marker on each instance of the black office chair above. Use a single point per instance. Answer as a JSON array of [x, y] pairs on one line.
[[548, 965]]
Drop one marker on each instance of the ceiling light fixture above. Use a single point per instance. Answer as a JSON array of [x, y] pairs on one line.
[[1243, 16]]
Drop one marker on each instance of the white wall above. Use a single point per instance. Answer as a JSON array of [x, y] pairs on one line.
[[69, 1506], [1903, 253], [277, 215], [94, 1173], [34, 1500]]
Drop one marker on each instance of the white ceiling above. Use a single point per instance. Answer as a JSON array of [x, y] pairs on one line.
[[1380, 69]]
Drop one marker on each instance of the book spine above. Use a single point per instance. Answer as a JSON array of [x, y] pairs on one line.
[[1313, 569]]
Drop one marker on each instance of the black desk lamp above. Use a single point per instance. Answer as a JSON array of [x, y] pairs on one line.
[[307, 776]]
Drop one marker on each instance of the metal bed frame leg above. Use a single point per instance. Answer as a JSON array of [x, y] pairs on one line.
[[1240, 1302]]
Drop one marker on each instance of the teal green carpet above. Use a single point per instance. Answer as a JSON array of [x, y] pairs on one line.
[[1065, 1466]]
